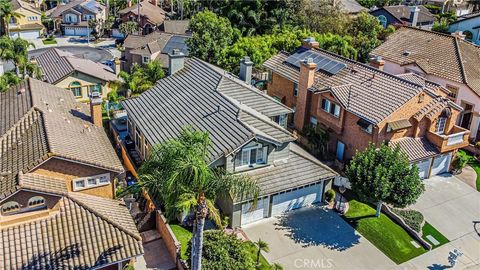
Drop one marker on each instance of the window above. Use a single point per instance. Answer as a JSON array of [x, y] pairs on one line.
[[10, 207], [76, 88], [326, 105], [137, 138], [32, 18], [36, 201], [330, 107], [88, 17], [440, 127], [295, 89], [253, 153], [468, 35], [281, 120], [313, 121], [383, 20], [270, 75], [365, 125], [146, 59], [96, 88], [453, 91], [70, 18], [91, 181]]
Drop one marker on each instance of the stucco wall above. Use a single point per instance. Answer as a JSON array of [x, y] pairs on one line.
[[86, 81], [468, 25]]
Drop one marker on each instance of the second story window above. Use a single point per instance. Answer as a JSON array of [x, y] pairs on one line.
[[281, 120], [365, 126], [145, 59], [440, 127], [453, 91], [330, 107], [76, 88], [10, 207], [91, 181], [295, 89], [252, 154]]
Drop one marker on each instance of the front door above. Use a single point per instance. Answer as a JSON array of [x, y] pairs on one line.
[[340, 150]]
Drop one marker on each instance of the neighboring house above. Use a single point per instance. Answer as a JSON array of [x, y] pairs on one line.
[[348, 6], [29, 24], [469, 25], [417, 16], [57, 171], [444, 59], [81, 76], [357, 104], [154, 46], [247, 129], [179, 27], [72, 18], [459, 7], [151, 15]]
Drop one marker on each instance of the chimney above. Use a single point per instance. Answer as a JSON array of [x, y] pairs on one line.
[[377, 62], [117, 64], [96, 109], [306, 80], [246, 70], [153, 2], [129, 3], [414, 10], [176, 61], [459, 35], [310, 43]]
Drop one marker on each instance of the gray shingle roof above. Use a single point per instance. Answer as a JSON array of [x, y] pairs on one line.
[[192, 97], [57, 64], [300, 165], [415, 148], [402, 13]]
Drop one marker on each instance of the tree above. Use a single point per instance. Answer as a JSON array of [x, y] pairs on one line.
[[16, 50], [317, 138], [323, 17], [365, 31], [211, 35], [262, 246], [384, 175], [128, 28], [100, 26], [178, 173], [6, 13], [222, 251], [441, 26], [7, 80], [142, 78]]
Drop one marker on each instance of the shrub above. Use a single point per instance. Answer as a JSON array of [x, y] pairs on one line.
[[412, 218], [330, 195], [460, 162]]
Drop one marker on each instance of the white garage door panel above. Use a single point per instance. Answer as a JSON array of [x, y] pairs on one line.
[[441, 164], [30, 34], [296, 199], [250, 215], [69, 31], [81, 31], [423, 167]]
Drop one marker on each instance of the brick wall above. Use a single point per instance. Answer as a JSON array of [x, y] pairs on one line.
[[282, 89], [69, 171]]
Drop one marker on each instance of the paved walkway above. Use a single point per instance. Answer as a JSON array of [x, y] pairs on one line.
[[468, 176], [156, 257]]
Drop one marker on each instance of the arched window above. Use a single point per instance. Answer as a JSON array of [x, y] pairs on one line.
[[36, 201], [76, 88], [468, 35], [10, 207], [383, 21]]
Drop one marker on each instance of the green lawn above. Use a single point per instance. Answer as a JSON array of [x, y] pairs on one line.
[[264, 265], [183, 236], [472, 162], [382, 232], [430, 230], [49, 41]]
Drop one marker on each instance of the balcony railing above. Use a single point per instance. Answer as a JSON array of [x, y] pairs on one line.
[[457, 138]]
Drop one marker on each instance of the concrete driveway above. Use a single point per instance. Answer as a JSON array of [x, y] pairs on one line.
[[316, 238], [452, 207]]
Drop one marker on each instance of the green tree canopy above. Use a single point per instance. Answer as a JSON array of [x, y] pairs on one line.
[[384, 175], [142, 78]]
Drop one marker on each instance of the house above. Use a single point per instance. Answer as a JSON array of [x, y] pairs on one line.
[[151, 15], [447, 60], [154, 46], [57, 171], [247, 129], [469, 25], [459, 7], [417, 16], [357, 104], [81, 76], [29, 24], [72, 17], [179, 27], [351, 7]]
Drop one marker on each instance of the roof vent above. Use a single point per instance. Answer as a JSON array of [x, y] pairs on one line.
[[406, 53]]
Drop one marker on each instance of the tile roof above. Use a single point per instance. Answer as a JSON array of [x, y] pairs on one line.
[[415, 148], [57, 64], [192, 96], [402, 13], [17, 4], [152, 12], [300, 165], [42, 183], [357, 87], [176, 26], [90, 5], [78, 236], [436, 54]]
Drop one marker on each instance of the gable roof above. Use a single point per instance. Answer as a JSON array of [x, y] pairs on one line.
[[436, 54], [80, 227], [193, 96], [18, 4], [90, 5], [402, 13], [38, 121], [358, 87], [57, 65], [153, 13]]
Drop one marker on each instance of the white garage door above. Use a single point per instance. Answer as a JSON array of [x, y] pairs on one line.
[[441, 164], [250, 214], [424, 167], [30, 34], [14, 34], [297, 198], [69, 31], [81, 31]]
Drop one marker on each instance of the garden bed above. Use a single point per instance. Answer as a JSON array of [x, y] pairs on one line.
[[49, 41], [473, 162]]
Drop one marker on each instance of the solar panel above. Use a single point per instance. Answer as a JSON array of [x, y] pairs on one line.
[[176, 42], [323, 63]]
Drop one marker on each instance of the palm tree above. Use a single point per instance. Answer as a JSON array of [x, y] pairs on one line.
[[6, 13], [140, 79], [262, 246], [20, 54], [178, 174]]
